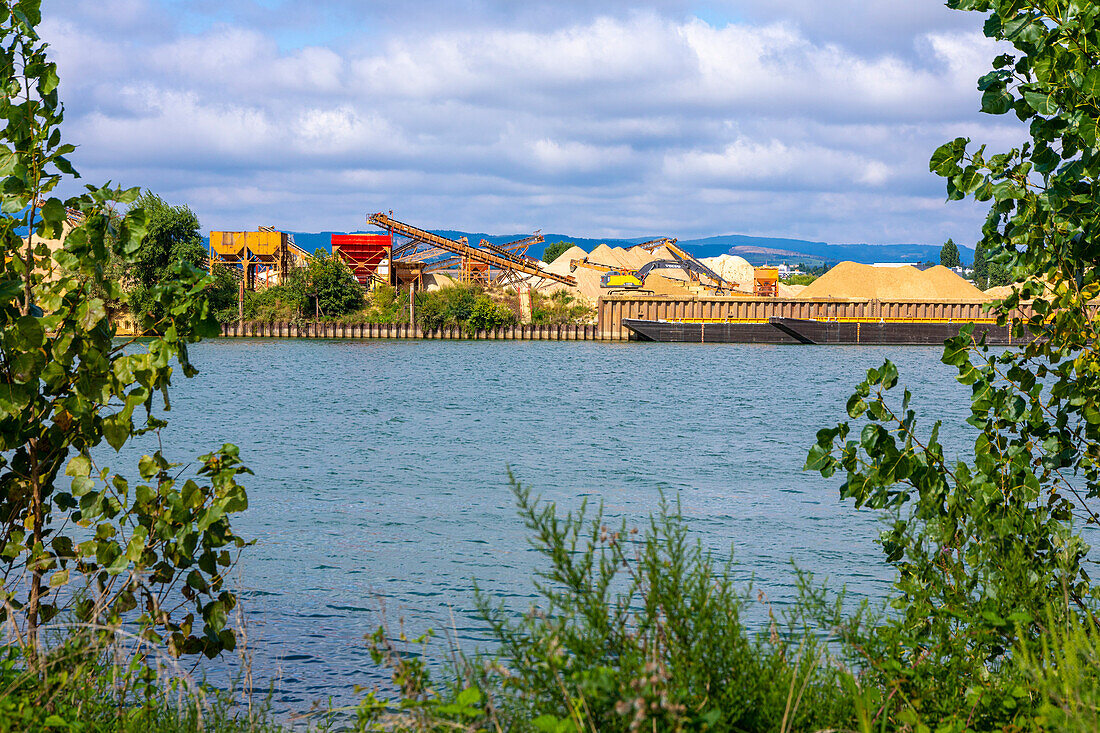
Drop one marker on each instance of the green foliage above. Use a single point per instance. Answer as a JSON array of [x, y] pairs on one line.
[[223, 293], [983, 551], [172, 235], [386, 304], [802, 279], [555, 250], [68, 387], [466, 306], [487, 314], [949, 255], [1062, 666], [560, 307], [999, 275], [327, 280], [981, 267], [91, 681], [987, 557], [636, 630], [273, 303]]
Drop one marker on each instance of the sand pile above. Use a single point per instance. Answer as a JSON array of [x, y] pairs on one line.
[[852, 280], [437, 281], [999, 292], [790, 291], [732, 268]]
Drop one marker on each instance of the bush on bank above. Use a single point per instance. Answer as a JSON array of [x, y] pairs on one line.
[[560, 307]]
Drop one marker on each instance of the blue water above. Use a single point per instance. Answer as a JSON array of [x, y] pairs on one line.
[[381, 473]]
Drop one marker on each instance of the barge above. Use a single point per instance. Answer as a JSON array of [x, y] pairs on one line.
[[778, 330]]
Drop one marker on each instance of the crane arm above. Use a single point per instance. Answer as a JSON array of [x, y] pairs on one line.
[[586, 263]]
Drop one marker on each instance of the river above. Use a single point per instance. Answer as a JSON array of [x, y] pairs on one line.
[[381, 473]]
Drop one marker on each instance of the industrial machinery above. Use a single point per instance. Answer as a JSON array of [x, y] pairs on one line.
[[614, 277], [263, 257], [475, 264], [368, 256], [632, 280], [765, 282], [695, 269]]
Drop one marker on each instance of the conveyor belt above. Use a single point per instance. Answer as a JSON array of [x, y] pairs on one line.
[[508, 262]]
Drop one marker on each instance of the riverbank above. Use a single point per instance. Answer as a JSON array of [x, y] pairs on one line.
[[328, 330]]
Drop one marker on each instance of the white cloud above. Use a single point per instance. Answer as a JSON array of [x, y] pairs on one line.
[[625, 122]]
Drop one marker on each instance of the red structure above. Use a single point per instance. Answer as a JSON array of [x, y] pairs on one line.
[[363, 253]]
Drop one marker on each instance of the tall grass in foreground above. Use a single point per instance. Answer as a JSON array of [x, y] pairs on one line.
[[637, 629], [104, 679]]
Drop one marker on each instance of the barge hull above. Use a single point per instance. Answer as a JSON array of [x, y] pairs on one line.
[[799, 331]]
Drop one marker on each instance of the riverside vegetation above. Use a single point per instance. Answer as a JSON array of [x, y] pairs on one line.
[[325, 290], [991, 624]]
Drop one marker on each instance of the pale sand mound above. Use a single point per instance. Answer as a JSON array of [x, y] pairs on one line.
[[790, 291], [733, 269], [603, 255], [853, 280], [660, 284], [636, 257], [999, 292], [560, 265], [438, 281]]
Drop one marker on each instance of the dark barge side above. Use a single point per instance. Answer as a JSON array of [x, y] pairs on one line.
[[809, 331]]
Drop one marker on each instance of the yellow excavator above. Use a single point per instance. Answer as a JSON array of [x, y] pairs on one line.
[[618, 279]]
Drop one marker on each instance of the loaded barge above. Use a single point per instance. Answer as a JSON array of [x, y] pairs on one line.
[[756, 320], [778, 330]]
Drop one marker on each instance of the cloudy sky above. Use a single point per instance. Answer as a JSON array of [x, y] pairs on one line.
[[803, 118]]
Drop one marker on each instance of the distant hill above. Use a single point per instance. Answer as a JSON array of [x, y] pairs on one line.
[[757, 250]]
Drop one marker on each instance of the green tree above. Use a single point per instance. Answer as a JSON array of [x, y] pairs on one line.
[[153, 548], [555, 250], [986, 552], [328, 280], [999, 275], [981, 267], [949, 255], [172, 235]]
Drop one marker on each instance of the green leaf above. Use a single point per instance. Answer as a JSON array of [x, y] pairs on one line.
[[996, 100], [61, 577], [117, 429], [79, 465], [1044, 104], [1091, 85], [31, 333], [53, 211]]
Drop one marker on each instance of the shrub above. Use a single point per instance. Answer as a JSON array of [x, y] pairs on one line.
[[487, 314], [465, 306], [635, 630], [98, 680], [800, 279], [560, 307]]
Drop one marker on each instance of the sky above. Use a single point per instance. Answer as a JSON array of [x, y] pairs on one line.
[[812, 119]]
